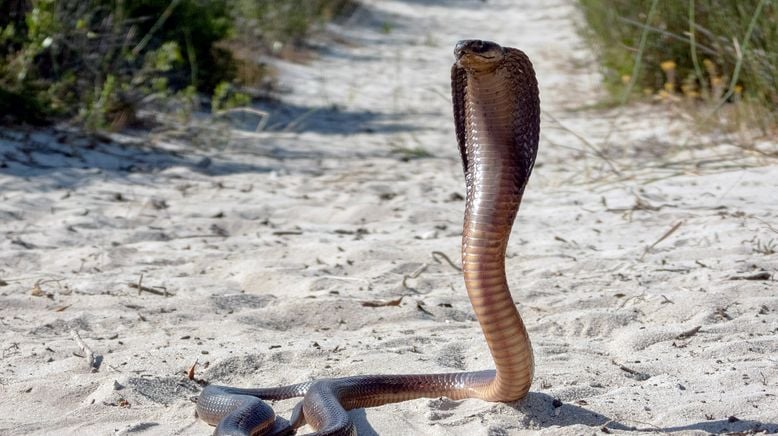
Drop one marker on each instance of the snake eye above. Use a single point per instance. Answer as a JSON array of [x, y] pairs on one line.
[[486, 46]]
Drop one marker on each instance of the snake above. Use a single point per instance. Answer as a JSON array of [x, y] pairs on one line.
[[496, 109]]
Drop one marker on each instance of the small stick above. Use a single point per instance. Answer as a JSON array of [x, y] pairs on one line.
[[92, 360], [292, 124], [156, 26], [163, 292], [774, 230], [199, 236], [436, 254], [420, 306], [287, 232], [263, 116], [414, 275], [665, 236], [605, 426], [351, 279], [634, 297], [112, 368], [637, 375], [689, 333], [585, 142]]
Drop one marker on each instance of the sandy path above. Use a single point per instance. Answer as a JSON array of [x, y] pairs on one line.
[[267, 244]]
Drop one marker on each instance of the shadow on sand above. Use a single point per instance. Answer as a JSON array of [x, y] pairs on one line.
[[540, 410], [64, 158], [325, 120]]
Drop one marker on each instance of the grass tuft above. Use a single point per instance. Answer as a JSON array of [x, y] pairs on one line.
[[720, 53]]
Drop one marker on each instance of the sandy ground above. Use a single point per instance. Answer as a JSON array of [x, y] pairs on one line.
[[642, 261]]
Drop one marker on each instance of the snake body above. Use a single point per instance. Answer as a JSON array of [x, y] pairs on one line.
[[497, 117]]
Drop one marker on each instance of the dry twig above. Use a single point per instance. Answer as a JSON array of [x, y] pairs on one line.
[[139, 286], [599, 153], [665, 236], [637, 375], [689, 333], [437, 254], [413, 275]]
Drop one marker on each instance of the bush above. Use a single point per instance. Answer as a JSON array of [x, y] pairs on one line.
[[711, 50], [288, 21], [96, 61]]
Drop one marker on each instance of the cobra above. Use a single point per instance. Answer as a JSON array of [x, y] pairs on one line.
[[497, 119]]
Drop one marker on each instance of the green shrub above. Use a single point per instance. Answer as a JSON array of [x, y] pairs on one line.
[[196, 26], [19, 107], [226, 97], [288, 21], [97, 61], [711, 50], [280, 28]]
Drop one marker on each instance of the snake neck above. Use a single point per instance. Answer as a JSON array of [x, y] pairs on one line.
[[496, 174]]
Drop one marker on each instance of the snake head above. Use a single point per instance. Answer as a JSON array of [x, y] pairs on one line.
[[477, 55]]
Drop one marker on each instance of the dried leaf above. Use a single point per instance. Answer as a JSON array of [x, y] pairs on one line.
[[191, 372]]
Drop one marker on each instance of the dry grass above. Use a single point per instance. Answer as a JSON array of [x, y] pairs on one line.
[[717, 58]]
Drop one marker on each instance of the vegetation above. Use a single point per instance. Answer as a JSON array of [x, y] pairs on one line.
[[287, 21], [96, 62], [722, 53]]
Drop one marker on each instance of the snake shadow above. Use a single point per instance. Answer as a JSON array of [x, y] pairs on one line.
[[359, 417], [542, 410], [539, 410]]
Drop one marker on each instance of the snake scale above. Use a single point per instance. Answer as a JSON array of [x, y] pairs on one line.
[[497, 117]]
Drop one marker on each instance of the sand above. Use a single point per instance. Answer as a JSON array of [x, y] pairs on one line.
[[643, 260]]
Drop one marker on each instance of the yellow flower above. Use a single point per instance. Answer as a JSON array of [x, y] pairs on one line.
[[625, 79], [690, 90], [710, 66], [667, 66]]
